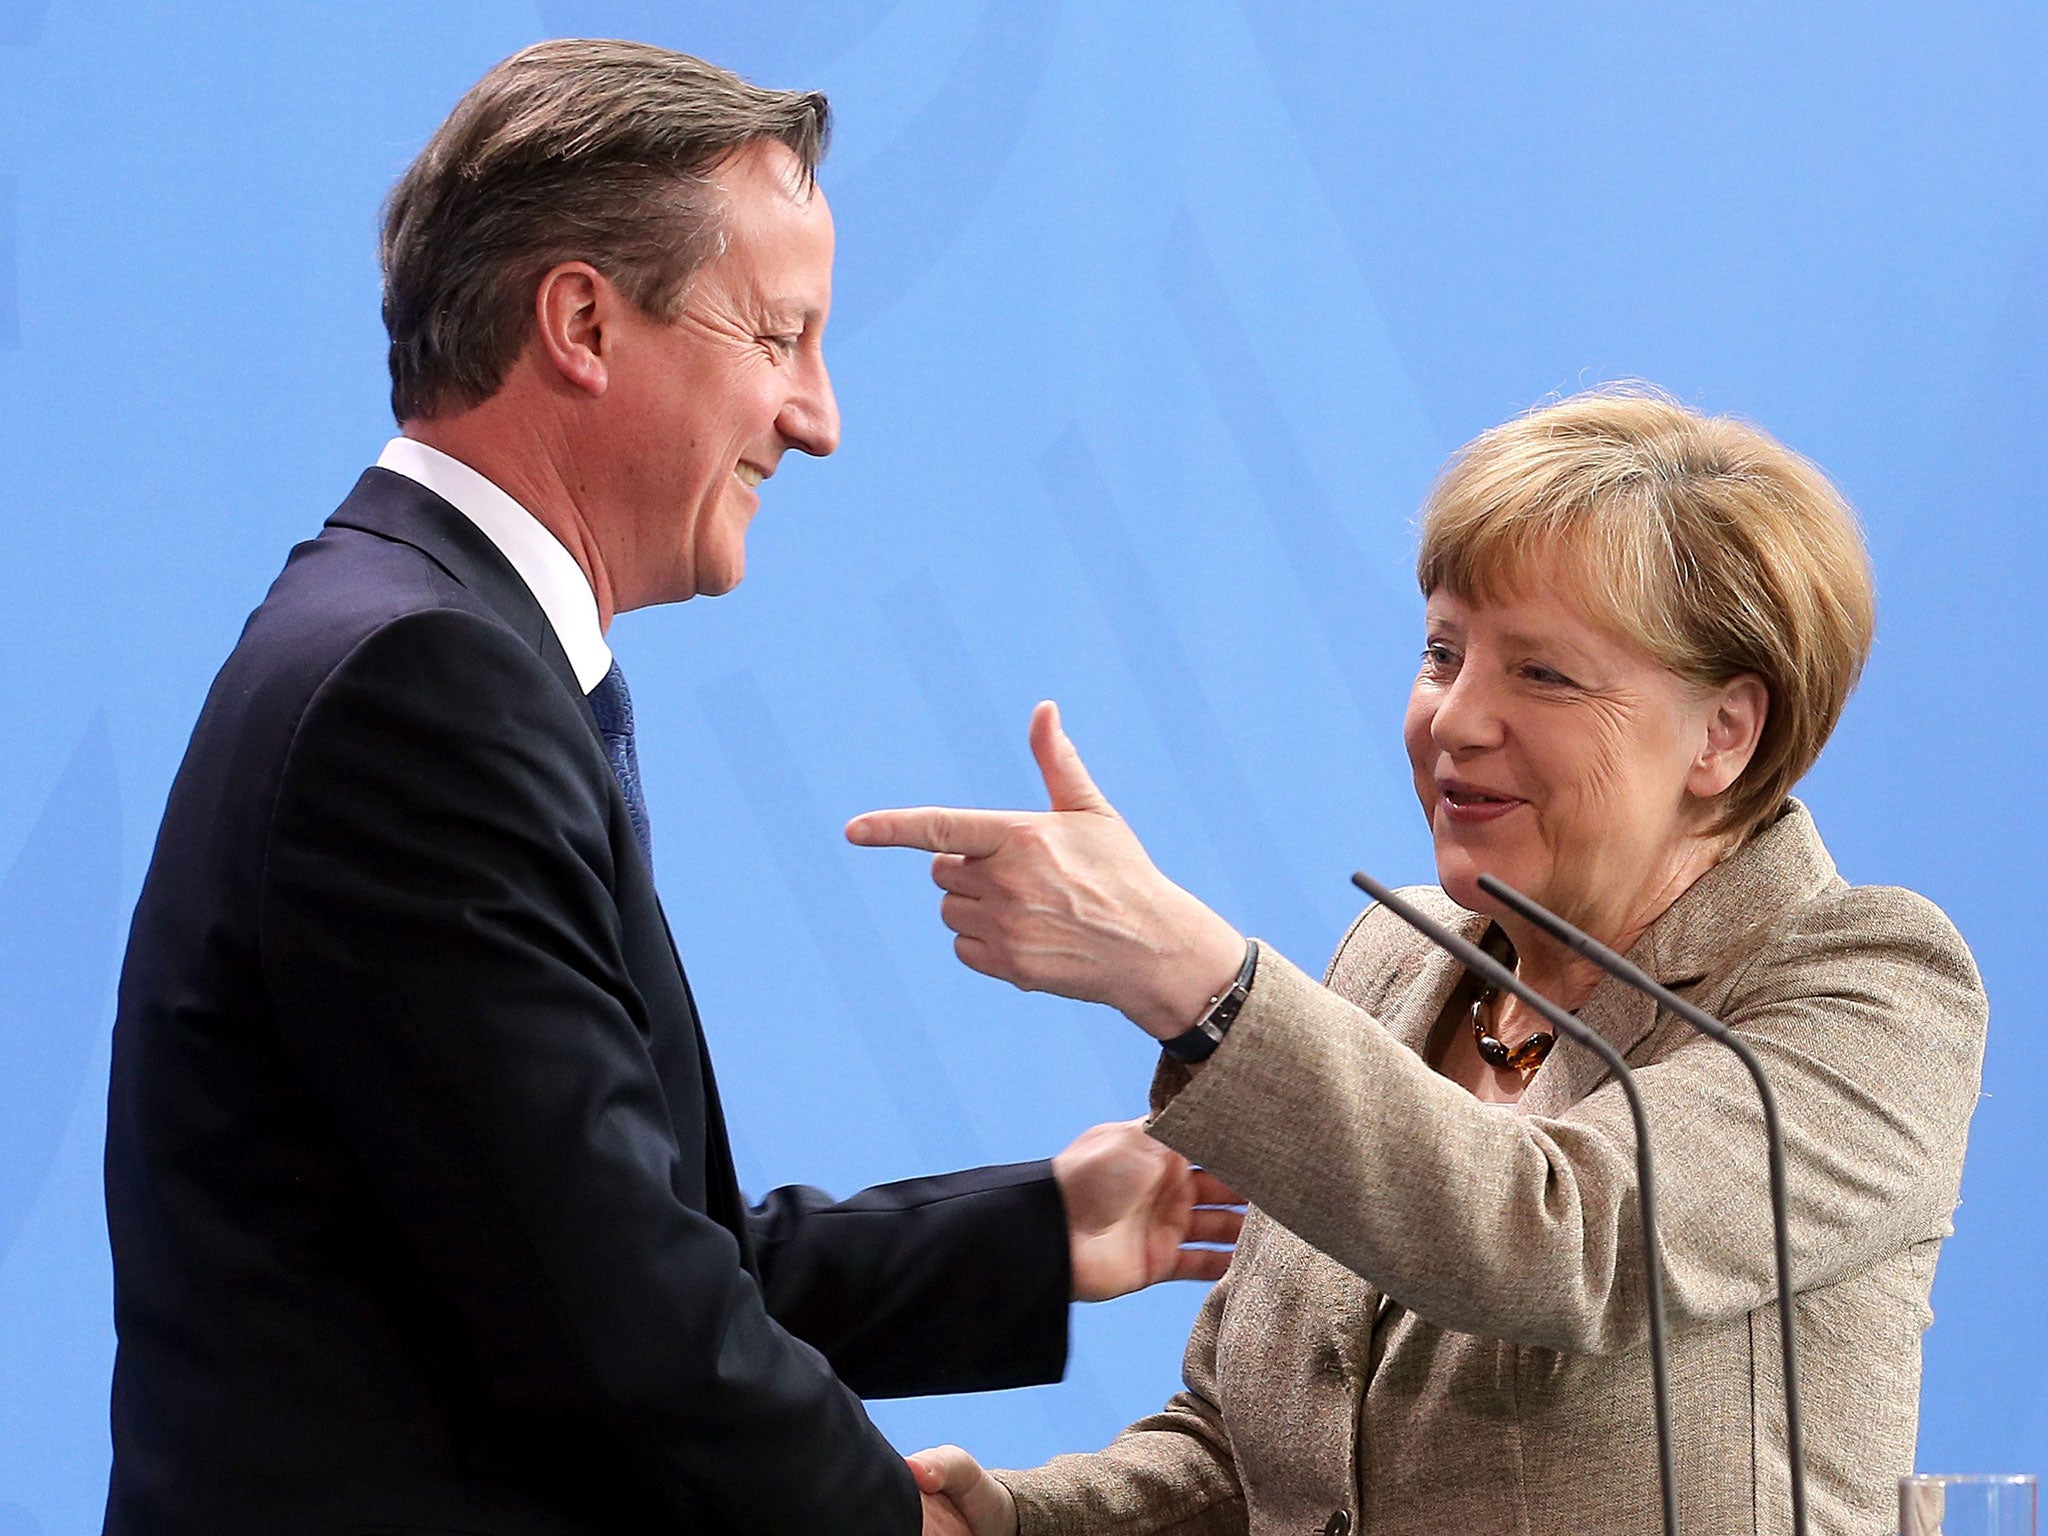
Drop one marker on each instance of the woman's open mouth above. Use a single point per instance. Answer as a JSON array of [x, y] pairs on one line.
[[1470, 805]]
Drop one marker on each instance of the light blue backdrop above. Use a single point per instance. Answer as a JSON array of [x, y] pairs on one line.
[[1154, 320]]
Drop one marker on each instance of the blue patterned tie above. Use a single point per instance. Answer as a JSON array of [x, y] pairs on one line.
[[613, 707]]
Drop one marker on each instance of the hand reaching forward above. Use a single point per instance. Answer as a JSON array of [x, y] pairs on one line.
[[1133, 1205], [1067, 900], [948, 1477]]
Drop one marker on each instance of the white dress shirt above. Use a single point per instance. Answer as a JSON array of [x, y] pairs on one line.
[[550, 572]]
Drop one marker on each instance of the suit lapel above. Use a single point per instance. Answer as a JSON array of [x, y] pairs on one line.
[[393, 506], [1416, 992], [1747, 891]]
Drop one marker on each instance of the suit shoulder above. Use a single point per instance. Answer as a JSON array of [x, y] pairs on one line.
[[445, 671], [336, 595], [1888, 917], [442, 729], [337, 589], [418, 637]]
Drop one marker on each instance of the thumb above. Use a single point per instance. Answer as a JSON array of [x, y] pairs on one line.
[[946, 1471], [1066, 779]]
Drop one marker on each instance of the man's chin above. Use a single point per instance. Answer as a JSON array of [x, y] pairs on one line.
[[714, 583], [718, 562], [719, 582]]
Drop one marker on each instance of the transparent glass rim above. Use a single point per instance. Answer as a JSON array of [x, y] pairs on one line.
[[1952, 1479]]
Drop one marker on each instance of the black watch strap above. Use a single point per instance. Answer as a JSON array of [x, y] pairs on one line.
[[1199, 1043]]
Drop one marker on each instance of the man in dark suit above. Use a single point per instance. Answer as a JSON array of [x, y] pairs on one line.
[[423, 1211]]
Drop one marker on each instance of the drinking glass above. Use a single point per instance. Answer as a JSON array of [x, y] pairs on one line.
[[1976, 1505]]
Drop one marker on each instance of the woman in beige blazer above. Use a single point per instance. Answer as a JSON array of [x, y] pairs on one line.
[[1642, 624]]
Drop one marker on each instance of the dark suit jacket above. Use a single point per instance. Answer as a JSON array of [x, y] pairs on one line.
[[423, 1212]]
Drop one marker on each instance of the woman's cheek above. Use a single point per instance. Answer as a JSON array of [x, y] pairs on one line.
[[1415, 736]]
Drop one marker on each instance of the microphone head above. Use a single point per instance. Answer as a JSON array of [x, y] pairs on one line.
[[1521, 905], [1370, 886]]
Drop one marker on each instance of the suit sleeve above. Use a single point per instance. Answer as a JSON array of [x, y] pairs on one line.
[[442, 942], [959, 1283], [1869, 1019]]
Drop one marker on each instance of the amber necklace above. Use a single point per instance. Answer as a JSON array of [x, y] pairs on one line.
[[1524, 1058]]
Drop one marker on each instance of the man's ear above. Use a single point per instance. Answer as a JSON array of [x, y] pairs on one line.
[[573, 307], [1736, 712]]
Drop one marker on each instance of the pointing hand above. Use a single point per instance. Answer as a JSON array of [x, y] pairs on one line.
[[1067, 900]]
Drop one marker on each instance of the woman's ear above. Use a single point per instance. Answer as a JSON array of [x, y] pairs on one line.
[[1734, 718]]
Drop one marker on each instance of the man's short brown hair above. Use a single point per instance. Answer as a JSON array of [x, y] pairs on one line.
[[574, 150], [1702, 539]]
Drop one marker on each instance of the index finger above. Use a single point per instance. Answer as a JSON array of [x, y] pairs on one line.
[[934, 828]]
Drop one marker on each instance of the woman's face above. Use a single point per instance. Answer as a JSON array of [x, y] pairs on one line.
[[1561, 758]]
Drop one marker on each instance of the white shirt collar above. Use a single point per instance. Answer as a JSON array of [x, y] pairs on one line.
[[550, 572]]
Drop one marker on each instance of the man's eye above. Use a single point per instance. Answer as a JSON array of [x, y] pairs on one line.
[[784, 344]]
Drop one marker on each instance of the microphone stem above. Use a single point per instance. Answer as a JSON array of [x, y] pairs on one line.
[[1781, 1242], [1490, 970], [1660, 1367], [1774, 1148]]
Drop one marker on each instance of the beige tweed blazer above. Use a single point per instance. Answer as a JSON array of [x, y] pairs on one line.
[[1435, 1321]]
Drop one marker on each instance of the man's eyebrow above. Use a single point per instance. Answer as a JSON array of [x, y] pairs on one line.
[[785, 310]]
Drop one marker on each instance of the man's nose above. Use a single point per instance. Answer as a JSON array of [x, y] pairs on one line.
[[810, 418]]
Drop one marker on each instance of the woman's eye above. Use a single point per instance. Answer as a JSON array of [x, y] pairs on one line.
[[1547, 676], [1437, 657]]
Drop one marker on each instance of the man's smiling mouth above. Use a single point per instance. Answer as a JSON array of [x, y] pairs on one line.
[[750, 475]]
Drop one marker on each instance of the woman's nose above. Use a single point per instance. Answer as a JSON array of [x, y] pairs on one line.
[[1467, 717]]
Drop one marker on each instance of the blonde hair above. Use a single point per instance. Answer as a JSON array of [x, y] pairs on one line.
[[1701, 539]]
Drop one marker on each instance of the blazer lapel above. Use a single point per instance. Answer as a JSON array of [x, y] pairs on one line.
[[1783, 862], [1426, 985], [1621, 1016], [1408, 1009], [392, 506]]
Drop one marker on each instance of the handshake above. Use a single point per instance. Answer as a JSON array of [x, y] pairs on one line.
[[960, 1498]]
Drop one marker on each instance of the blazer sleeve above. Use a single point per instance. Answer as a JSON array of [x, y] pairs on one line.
[[439, 933], [959, 1283], [1868, 1015], [1170, 1474]]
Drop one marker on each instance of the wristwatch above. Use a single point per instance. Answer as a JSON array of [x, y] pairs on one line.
[[1199, 1043]]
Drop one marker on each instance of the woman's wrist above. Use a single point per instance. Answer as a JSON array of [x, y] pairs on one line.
[[1190, 976], [1002, 1513]]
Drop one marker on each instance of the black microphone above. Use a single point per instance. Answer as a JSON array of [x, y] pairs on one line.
[[1774, 1141], [1491, 971]]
